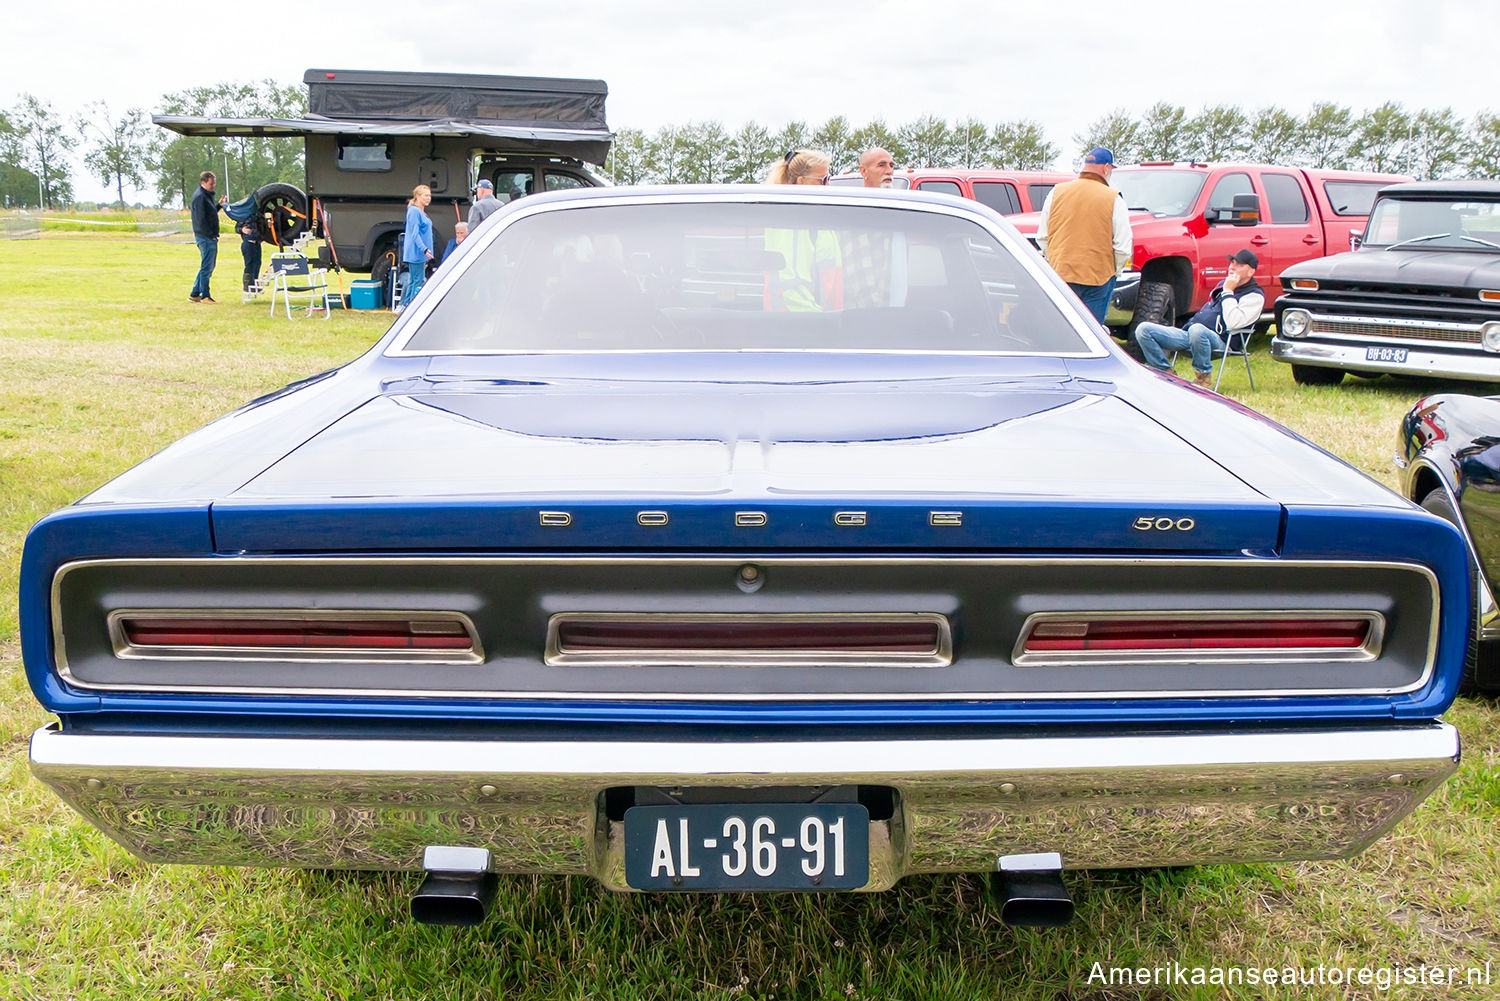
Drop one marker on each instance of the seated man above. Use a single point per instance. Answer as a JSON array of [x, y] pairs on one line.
[[460, 234], [1234, 304]]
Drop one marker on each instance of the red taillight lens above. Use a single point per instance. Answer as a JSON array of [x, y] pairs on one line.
[[631, 639], [914, 637], [1103, 636], [144, 634]]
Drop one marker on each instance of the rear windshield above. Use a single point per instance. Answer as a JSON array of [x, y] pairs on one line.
[[1456, 223], [740, 276]]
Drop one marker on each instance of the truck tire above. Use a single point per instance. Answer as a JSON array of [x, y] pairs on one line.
[[283, 211], [1316, 375], [1154, 303], [1437, 502]]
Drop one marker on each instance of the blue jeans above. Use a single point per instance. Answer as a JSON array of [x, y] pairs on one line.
[[1095, 297], [208, 256], [1156, 340], [416, 274]]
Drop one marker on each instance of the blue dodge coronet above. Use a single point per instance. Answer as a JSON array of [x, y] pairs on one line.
[[743, 539]]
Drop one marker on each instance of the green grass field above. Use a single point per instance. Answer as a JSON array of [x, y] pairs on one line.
[[103, 361]]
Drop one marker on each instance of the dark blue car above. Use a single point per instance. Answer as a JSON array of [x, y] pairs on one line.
[[743, 538]]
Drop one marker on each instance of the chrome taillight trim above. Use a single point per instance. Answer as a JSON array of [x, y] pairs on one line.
[[64, 672], [558, 655], [127, 650], [1367, 651]]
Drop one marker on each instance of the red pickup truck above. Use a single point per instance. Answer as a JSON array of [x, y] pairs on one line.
[[1006, 191], [1187, 218]]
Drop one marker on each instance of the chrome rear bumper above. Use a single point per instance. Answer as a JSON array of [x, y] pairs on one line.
[[1101, 801]]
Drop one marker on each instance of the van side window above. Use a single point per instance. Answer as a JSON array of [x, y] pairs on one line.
[[1284, 198], [1352, 197], [364, 153], [562, 182], [1229, 185], [941, 187], [998, 195]]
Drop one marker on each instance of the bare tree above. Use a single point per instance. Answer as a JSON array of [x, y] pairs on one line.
[[117, 148]]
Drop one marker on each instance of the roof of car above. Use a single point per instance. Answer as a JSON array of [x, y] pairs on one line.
[[1488, 188]]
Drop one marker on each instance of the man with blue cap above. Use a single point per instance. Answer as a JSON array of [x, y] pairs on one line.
[[1085, 232]]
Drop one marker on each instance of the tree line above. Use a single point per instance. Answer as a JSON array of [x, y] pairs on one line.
[[124, 148]]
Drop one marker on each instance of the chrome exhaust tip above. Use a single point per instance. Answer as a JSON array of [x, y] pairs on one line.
[[459, 888], [1030, 890]]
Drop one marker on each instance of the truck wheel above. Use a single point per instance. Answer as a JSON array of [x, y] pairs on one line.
[[1315, 375], [283, 212], [1154, 303], [1438, 503]]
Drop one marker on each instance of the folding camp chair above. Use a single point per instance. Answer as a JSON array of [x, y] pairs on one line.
[[1236, 342], [311, 282]]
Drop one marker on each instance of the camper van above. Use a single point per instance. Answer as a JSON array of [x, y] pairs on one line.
[[373, 136]]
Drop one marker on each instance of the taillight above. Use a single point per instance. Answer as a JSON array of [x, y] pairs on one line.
[[221, 635], [1234, 636], [629, 638]]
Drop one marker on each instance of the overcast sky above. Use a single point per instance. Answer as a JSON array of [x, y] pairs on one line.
[[1063, 64]]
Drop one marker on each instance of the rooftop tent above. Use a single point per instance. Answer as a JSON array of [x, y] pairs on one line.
[[542, 115], [538, 102]]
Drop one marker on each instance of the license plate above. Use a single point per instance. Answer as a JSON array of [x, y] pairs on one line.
[[1385, 354], [747, 846]]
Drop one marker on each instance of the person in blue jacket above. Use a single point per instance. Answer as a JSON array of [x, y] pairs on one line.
[[416, 246]]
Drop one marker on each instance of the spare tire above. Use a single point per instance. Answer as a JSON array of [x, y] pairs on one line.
[[283, 213]]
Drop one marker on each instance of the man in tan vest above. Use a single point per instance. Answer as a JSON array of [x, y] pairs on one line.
[[1085, 232]]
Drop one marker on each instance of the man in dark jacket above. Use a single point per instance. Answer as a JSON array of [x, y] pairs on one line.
[[1235, 304], [205, 214]]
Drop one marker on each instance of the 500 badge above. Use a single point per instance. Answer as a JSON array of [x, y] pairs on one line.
[[1146, 523]]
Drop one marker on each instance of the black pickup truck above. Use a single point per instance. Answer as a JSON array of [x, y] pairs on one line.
[[1420, 295]]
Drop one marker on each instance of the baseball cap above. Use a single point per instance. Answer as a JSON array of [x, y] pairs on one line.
[[485, 183], [1099, 155], [1245, 256]]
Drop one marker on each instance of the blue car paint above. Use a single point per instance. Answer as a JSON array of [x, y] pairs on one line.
[[140, 514]]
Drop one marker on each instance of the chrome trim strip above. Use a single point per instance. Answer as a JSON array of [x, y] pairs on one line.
[[733, 563], [1100, 801], [941, 654], [127, 650], [1367, 651]]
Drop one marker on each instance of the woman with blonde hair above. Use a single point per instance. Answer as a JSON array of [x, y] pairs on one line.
[[416, 244], [811, 276], [801, 166]]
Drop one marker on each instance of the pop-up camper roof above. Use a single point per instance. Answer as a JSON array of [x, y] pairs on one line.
[[514, 113]]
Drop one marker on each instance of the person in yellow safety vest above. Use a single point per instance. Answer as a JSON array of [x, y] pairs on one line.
[[811, 275]]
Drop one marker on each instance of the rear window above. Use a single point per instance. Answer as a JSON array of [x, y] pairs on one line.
[[1038, 194], [1352, 197], [702, 276]]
